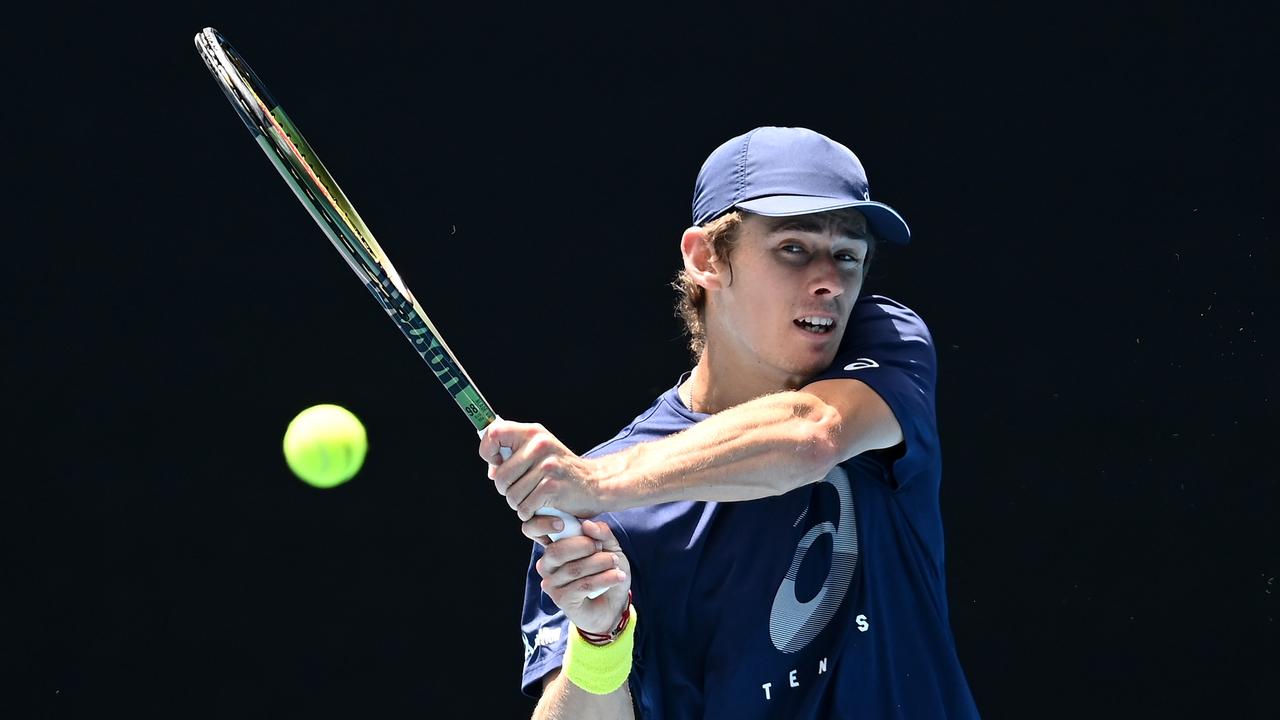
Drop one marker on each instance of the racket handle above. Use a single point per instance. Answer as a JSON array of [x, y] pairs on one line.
[[572, 526]]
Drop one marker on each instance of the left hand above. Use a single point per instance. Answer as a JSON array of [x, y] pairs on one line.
[[575, 567], [541, 471]]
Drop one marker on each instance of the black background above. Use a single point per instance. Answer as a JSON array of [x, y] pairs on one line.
[[1092, 199]]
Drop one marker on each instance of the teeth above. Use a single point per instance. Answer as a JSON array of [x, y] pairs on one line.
[[817, 321], [816, 325]]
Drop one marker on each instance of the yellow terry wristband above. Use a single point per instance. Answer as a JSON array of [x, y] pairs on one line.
[[600, 669]]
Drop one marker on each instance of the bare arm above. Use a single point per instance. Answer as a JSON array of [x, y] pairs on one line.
[[760, 448], [764, 447], [562, 700]]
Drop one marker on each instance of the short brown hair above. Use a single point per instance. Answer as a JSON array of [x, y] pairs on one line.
[[722, 233]]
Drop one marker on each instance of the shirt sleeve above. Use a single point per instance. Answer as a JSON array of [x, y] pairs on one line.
[[889, 347], [542, 627]]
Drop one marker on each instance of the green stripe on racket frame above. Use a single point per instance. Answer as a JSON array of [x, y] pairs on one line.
[[333, 212]]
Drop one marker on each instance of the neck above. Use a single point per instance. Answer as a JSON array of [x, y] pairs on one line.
[[721, 381]]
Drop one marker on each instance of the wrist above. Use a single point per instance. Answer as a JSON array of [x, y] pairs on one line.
[[604, 638], [600, 669], [616, 484]]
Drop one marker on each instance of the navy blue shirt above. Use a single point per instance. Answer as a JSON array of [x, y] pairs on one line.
[[828, 601]]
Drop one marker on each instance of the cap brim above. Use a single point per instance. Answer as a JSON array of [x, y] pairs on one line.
[[886, 224]]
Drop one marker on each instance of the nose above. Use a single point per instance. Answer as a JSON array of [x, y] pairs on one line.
[[827, 279]]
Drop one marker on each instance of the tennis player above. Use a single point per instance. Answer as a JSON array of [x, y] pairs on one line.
[[767, 532]]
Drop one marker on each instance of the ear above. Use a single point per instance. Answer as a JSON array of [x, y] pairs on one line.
[[699, 259]]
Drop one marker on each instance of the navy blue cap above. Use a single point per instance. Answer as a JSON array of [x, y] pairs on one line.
[[783, 171]]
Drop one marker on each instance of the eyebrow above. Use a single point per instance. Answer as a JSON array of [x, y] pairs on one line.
[[807, 224]]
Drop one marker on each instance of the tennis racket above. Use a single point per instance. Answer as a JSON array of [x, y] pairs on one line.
[[320, 195]]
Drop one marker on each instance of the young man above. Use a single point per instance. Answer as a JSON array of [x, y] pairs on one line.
[[768, 537]]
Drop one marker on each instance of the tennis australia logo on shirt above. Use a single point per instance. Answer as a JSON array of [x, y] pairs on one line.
[[795, 623], [792, 623]]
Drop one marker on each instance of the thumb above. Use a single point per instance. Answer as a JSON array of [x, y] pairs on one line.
[[597, 530]]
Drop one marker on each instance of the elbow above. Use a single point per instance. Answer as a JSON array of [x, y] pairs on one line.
[[818, 447]]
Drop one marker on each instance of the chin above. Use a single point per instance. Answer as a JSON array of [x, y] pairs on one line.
[[812, 365], [821, 366]]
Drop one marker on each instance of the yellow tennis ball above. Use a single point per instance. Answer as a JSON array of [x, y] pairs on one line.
[[325, 445]]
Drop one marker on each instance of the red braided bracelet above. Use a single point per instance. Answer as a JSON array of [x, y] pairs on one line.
[[606, 638]]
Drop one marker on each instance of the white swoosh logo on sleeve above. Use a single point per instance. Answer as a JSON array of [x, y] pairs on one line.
[[862, 364]]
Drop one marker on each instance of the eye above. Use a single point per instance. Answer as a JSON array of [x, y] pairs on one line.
[[793, 253], [848, 257]]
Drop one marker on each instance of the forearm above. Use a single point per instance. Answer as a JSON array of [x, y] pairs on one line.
[[760, 448], [562, 700]]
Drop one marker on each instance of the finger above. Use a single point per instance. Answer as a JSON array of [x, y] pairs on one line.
[[526, 495], [490, 448], [601, 532], [500, 434], [539, 527], [516, 464], [490, 442], [566, 550], [580, 591], [583, 569], [522, 487], [529, 445]]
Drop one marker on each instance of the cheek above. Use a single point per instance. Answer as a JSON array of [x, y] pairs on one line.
[[752, 315], [769, 303]]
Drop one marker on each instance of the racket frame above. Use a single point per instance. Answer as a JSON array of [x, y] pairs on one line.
[[320, 194]]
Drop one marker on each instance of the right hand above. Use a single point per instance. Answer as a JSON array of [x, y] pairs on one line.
[[540, 472], [573, 567]]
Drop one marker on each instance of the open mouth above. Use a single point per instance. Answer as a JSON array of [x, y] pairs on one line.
[[815, 325]]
